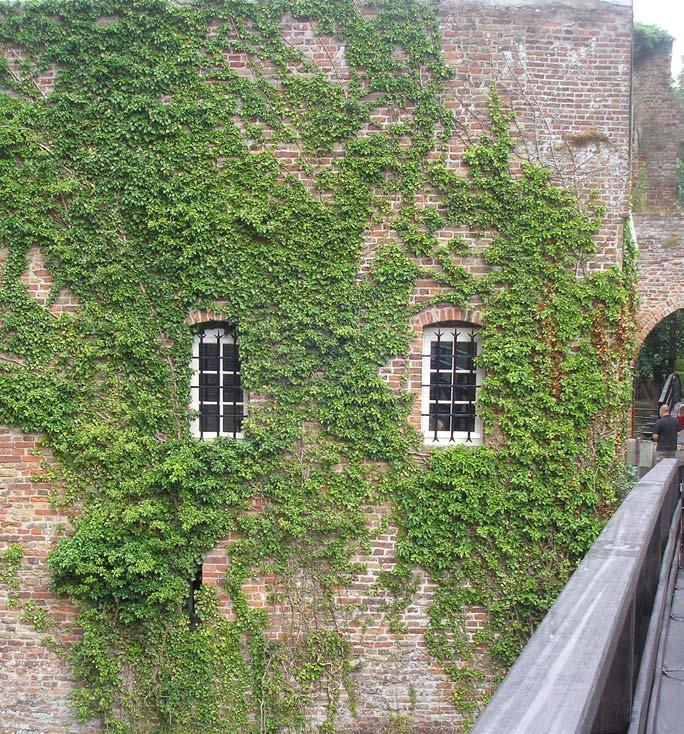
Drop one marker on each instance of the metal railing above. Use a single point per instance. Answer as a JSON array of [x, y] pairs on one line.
[[643, 420], [582, 672], [644, 417], [671, 392]]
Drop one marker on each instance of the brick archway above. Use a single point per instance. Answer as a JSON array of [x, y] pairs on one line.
[[661, 268], [648, 320]]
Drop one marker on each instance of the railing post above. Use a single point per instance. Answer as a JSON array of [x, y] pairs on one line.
[[616, 700]]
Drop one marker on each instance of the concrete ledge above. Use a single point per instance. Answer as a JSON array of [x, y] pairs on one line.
[[556, 685], [573, 4]]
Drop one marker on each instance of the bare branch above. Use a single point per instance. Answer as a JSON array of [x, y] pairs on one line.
[[13, 360], [18, 78]]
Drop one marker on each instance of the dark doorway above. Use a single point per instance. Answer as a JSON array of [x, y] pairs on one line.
[[660, 357]]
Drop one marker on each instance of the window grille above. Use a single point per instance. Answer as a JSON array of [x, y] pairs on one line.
[[217, 394], [450, 383]]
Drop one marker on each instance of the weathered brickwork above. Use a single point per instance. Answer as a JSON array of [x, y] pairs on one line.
[[658, 219], [564, 69], [661, 267], [40, 285], [565, 73], [658, 134], [34, 680], [392, 673]]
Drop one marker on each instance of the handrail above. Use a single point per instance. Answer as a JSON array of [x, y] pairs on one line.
[[579, 671], [646, 693], [643, 420], [671, 392]]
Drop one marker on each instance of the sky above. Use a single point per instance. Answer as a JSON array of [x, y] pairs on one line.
[[668, 14]]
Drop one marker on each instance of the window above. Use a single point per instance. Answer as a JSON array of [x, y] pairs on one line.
[[217, 394], [190, 603], [450, 383]]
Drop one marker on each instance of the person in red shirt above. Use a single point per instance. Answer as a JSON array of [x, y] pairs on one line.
[[680, 417]]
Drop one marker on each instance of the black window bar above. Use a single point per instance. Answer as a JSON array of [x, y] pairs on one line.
[[217, 383], [452, 385]]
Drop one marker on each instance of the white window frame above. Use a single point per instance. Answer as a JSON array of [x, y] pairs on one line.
[[223, 334], [462, 332]]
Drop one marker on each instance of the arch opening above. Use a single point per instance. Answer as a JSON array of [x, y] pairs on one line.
[[661, 356]]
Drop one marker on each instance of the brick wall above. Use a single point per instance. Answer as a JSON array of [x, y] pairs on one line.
[[661, 268], [565, 71], [34, 680], [658, 134], [658, 220], [566, 74]]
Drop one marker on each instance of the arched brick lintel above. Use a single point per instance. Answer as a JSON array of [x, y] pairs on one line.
[[438, 314], [202, 317], [648, 320], [443, 313]]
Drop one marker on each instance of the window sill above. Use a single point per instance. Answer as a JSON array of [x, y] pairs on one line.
[[445, 442]]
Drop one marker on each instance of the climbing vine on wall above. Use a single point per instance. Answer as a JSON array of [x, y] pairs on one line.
[[504, 528], [148, 180]]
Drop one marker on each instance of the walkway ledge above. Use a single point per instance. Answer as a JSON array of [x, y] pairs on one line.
[[581, 671]]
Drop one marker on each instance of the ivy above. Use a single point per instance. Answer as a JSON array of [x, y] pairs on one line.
[[649, 40], [503, 528], [149, 179], [10, 562]]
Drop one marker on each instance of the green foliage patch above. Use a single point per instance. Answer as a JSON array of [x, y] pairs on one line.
[[148, 180], [10, 562], [649, 40]]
